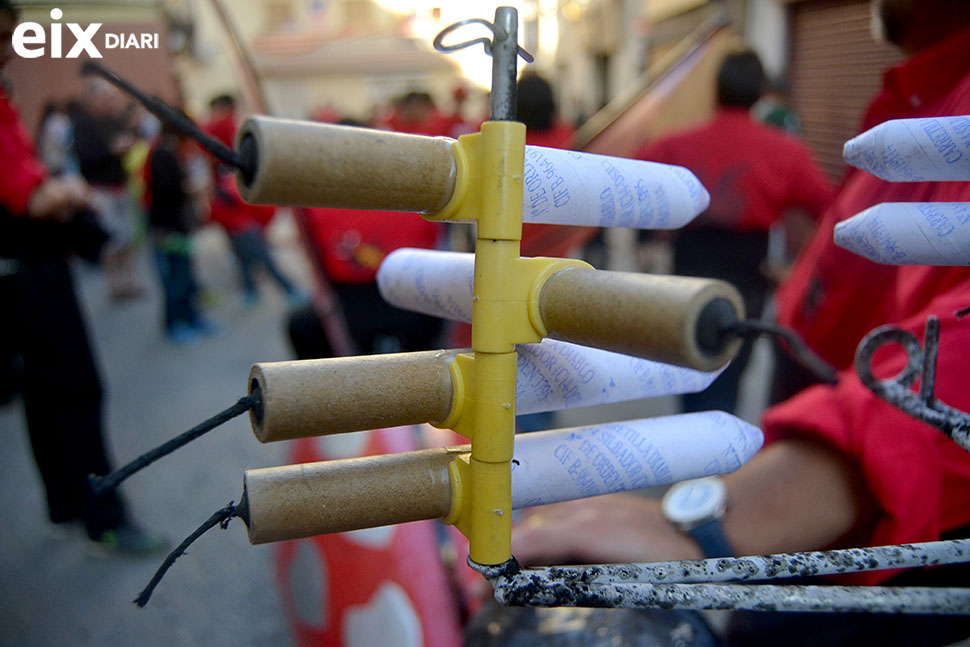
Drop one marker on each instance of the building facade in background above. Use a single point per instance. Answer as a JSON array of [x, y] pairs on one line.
[[353, 57]]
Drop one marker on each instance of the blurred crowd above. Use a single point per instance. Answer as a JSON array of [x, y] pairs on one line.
[[151, 188]]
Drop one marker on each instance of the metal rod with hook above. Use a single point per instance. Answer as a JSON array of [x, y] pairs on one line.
[[919, 362], [503, 48]]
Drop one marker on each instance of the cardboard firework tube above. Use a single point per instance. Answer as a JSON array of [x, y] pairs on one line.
[[318, 397], [671, 319], [308, 164], [296, 501], [335, 496]]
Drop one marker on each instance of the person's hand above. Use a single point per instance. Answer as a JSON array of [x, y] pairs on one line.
[[604, 529], [58, 198], [614, 528]]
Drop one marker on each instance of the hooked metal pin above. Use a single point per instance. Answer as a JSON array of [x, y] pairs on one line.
[[920, 361]]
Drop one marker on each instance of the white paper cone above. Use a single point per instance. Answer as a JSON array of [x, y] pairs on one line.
[[570, 188], [914, 150], [565, 464], [555, 375], [435, 283], [552, 375], [909, 233]]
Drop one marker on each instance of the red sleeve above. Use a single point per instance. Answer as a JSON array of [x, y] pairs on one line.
[[21, 171], [919, 478]]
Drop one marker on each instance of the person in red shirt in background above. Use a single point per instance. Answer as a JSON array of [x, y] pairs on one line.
[[42, 222], [840, 467], [350, 245], [457, 124], [416, 113], [536, 107], [223, 122], [244, 223], [757, 177]]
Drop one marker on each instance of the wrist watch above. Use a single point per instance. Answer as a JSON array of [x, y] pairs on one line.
[[695, 508]]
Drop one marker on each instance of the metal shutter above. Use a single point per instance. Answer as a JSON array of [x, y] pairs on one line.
[[836, 67]]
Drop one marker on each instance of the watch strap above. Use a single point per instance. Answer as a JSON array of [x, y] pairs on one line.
[[711, 538]]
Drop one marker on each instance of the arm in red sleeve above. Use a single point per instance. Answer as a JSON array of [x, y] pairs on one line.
[[919, 480]]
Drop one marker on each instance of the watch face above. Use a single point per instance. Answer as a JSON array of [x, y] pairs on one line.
[[693, 502]]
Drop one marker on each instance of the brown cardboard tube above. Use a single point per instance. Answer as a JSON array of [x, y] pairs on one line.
[[308, 164], [647, 315], [317, 397], [297, 501]]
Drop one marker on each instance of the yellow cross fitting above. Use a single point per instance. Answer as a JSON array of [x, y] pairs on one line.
[[505, 312], [517, 317]]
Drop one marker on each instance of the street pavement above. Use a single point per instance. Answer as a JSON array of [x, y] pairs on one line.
[[54, 591]]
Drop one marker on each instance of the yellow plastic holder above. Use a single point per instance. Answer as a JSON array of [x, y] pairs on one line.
[[488, 189]]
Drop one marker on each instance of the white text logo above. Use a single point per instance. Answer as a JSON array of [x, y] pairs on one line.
[[30, 40]]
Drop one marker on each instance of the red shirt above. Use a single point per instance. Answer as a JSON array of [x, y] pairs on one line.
[[434, 125], [20, 172], [919, 478], [352, 243], [236, 216], [224, 129], [559, 135], [753, 172]]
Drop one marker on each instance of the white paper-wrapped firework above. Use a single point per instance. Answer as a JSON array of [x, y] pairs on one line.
[[565, 464], [644, 315], [301, 399], [909, 233], [555, 375], [308, 164], [914, 150], [294, 501], [435, 283], [570, 188]]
